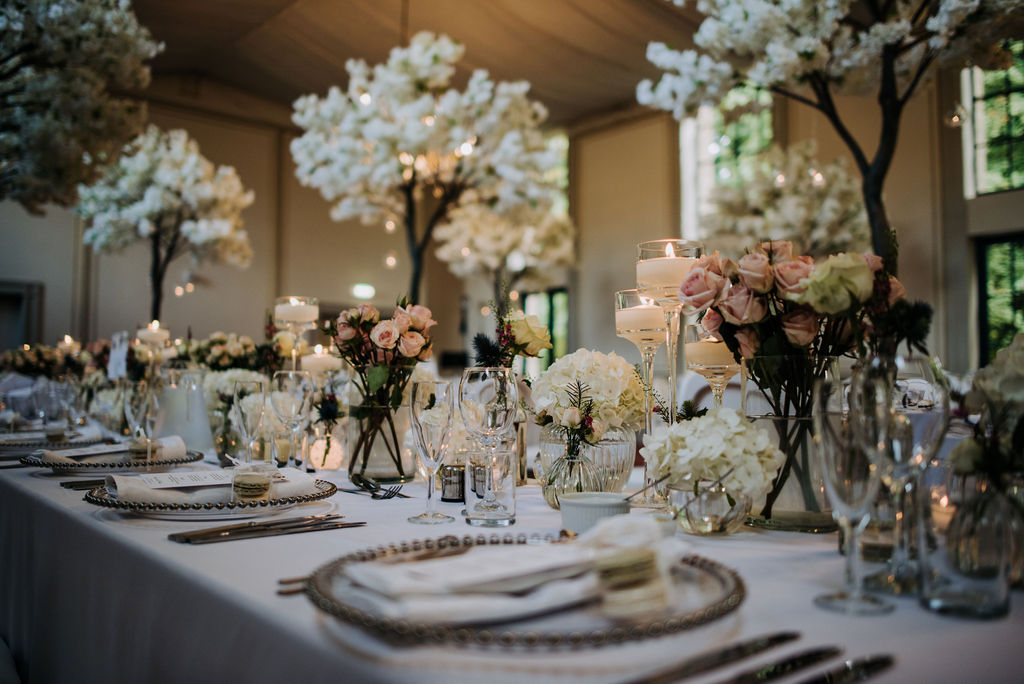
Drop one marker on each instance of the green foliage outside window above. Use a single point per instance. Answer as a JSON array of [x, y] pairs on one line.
[[1001, 268], [998, 127]]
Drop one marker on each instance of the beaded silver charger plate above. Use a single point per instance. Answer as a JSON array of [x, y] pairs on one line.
[[37, 460], [204, 511], [703, 591], [49, 444]]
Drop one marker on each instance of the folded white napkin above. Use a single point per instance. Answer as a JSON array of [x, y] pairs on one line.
[[130, 488], [172, 447]]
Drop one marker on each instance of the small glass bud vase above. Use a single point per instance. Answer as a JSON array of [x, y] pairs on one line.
[[709, 508], [571, 472]]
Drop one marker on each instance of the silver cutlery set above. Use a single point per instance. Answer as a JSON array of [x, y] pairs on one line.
[[270, 528]]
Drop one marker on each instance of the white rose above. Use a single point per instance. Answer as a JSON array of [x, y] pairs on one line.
[[528, 331]]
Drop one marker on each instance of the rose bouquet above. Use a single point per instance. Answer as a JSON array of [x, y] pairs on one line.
[[383, 355], [788, 317]]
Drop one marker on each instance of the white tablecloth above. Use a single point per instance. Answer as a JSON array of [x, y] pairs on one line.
[[90, 594]]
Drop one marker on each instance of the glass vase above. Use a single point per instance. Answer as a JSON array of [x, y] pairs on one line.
[[613, 456], [226, 441], [776, 397], [377, 444], [964, 544], [709, 508], [326, 447], [569, 471]]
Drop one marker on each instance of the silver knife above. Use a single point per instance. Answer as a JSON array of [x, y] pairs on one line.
[[854, 670], [275, 532], [720, 657], [784, 666], [251, 525]]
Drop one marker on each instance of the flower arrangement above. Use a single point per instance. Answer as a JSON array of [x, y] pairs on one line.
[[399, 137], [63, 60], [517, 335], [787, 316], [383, 354], [786, 193], [720, 446], [576, 426], [808, 52], [996, 447], [614, 391], [164, 191]]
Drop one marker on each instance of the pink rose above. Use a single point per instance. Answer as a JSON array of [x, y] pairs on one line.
[[801, 326], [346, 332], [711, 321], [874, 262], [385, 334], [402, 319], [747, 339], [411, 344], [789, 274], [348, 315], [756, 272], [741, 306], [368, 312], [700, 288], [711, 262], [777, 251], [421, 318], [896, 290]]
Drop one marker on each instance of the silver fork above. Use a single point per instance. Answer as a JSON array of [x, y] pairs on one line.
[[387, 492]]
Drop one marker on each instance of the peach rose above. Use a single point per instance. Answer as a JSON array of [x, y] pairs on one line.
[[700, 288], [896, 290], [346, 332], [711, 262], [789, 274], [777, 251], [411, 344], [874, 262], [368, 312], [800, 326], [422, 318], [711, 321], [748, 342], [402, 319], [385, 334], [741, 306], [756, 272]]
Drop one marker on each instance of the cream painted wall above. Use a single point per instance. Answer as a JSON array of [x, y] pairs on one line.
[[624, 189]]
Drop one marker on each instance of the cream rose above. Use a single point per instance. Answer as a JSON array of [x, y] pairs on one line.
[[421, 317], [411, 343], [368, 312], [402, 320], [837, 283], [385, 335], [529, 332]]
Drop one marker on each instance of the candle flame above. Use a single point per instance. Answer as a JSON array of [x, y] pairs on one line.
[[669, 250], [318, 349], [155, 325], [68, 339], [294, 301], [944, 501]]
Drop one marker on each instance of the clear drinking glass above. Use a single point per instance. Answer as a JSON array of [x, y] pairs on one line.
[[641, 320], [852, 483], [488, 403], [296, 315], [661, 266], [140, 410], [707, 354], [291, 395], [902, 410], [431, 407], [250, 403]]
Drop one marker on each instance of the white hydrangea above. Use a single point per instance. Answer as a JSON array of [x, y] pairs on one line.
[[706, 448], [218, 385], [786, 194], [399, 131], [613, 384], [61, 61]]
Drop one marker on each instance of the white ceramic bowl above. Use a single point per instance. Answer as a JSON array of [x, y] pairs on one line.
[[582, 510]]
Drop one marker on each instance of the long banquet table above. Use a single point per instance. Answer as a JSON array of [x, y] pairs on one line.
[[91, 594]]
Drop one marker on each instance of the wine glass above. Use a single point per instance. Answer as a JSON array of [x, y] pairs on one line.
[[901, 412], [661, 266], [250, 403], [140, 411], [431, 408], [707, 354], [291, 395], [641, 321], [488, 402], [851, 482]]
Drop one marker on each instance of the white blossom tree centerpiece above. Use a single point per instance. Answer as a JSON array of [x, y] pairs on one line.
[[399, 141], [520, 247], [809, 51], [786, 194], [60, 62], [164, 191]]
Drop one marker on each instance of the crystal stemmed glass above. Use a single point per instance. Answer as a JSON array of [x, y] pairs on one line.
[[661, 266], [902, 412], [296, 315], [488, 402], [250, 404], [140, 410], [852, 483], [291, 395], [707, 354], [641, 321], [431, 408]]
